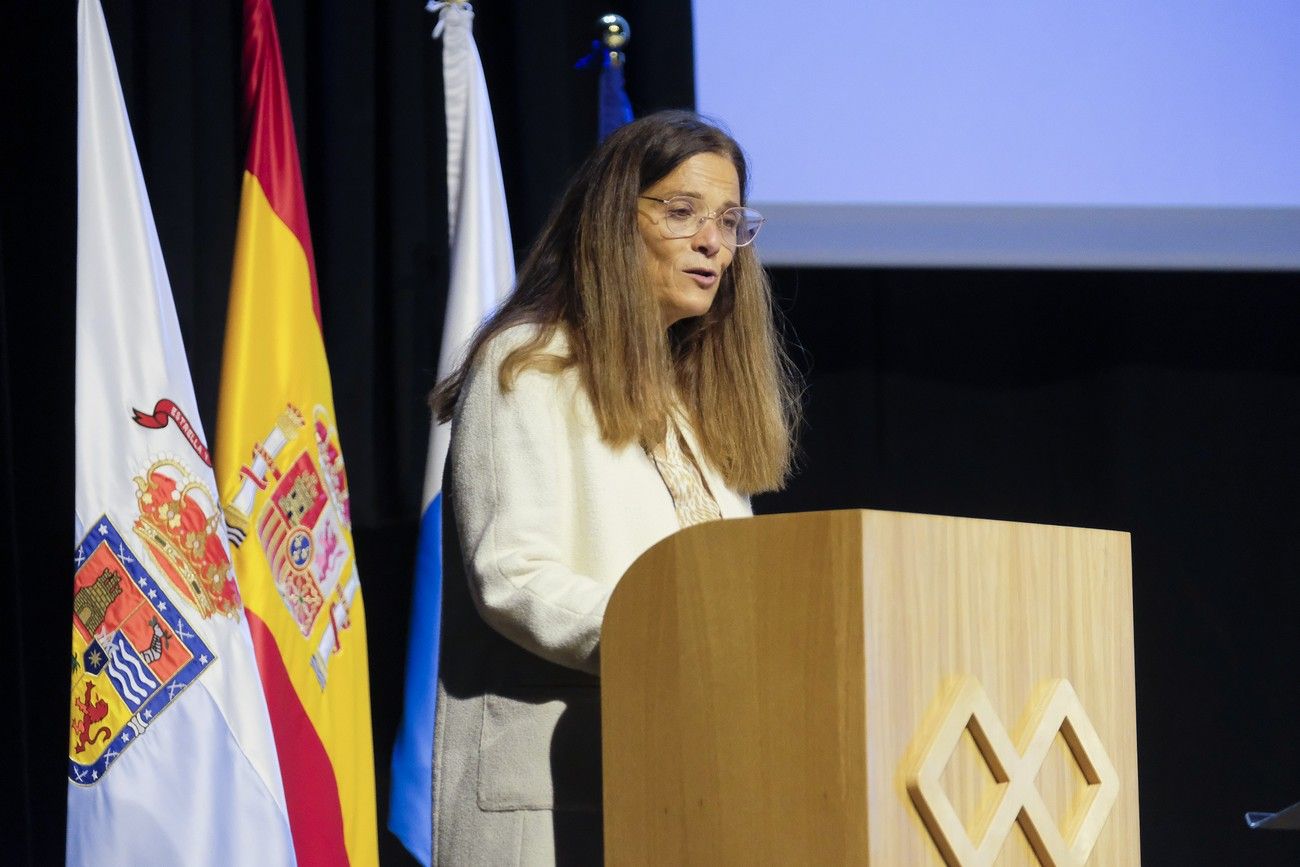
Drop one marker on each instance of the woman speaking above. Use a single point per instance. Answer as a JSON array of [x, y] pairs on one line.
[[631, 385]]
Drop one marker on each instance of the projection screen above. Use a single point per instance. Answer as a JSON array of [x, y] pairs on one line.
[[1038, 133]]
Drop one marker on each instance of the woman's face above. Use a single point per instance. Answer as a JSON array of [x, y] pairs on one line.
[[685, 272]]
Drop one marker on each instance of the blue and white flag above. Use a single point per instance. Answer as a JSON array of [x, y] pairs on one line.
[[171, 759], [482, 273]]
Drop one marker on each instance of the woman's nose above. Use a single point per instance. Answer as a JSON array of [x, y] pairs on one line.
[[708, 239]]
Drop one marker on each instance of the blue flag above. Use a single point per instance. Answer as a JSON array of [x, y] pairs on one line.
[[615, 108]]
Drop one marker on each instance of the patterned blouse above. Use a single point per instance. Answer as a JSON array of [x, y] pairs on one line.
[[692, 498]]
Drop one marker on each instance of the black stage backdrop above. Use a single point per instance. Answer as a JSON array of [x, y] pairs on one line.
[[1160, 403]]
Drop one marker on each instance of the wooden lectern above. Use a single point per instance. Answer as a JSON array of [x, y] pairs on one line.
[[878, 688]]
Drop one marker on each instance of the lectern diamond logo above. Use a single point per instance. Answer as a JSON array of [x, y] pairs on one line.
[[1015, 768]]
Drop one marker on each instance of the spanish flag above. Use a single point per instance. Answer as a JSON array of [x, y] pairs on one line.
[[284, 487]]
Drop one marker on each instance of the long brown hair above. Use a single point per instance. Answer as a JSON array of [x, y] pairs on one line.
[[585, 276]]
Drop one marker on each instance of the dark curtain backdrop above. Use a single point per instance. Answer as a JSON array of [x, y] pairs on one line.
[[1164, 404]]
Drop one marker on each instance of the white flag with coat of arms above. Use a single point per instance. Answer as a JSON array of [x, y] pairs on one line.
[[171, 759]]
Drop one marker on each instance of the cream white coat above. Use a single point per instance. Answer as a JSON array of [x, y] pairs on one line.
[[547, 518]]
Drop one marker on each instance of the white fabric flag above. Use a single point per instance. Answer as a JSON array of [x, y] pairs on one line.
[[171, 759], [482, 273], [482, 257]]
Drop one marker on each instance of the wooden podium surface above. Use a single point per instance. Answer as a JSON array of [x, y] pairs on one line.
[[866, 687]]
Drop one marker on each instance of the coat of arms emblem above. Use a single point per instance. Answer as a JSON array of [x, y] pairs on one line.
[[133, 652], [303, 523]]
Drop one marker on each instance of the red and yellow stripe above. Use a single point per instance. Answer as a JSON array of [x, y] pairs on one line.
[[275, 358]]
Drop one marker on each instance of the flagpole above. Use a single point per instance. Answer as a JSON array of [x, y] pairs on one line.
[[614, 32]]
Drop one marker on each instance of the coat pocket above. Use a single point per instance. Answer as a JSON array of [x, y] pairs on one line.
[[540, 750]]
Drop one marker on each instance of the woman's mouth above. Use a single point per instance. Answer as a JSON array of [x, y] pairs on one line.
[[705, 278]]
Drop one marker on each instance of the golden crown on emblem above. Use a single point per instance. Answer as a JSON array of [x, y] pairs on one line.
[[181, 524]]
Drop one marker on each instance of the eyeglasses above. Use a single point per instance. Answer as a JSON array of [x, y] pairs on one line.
[[684, 216]]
